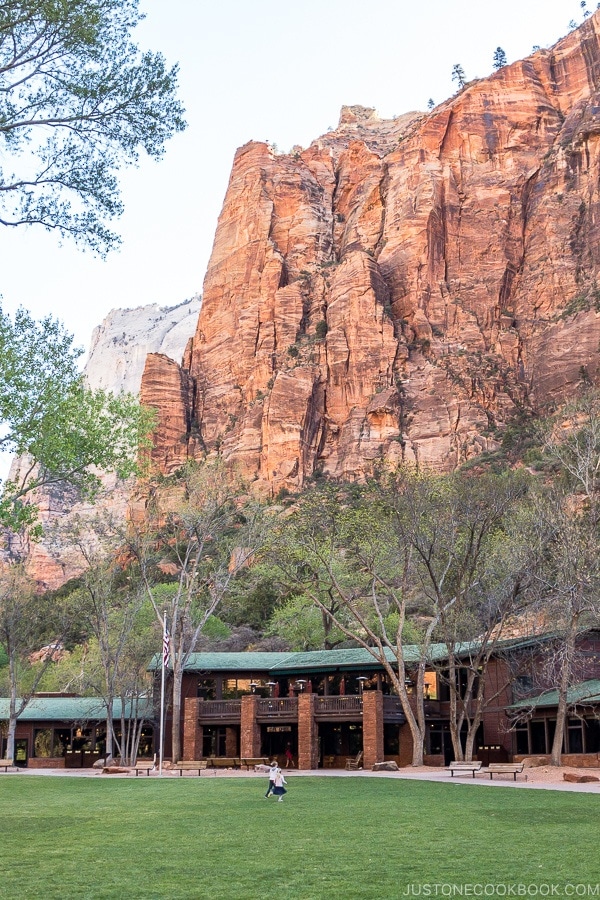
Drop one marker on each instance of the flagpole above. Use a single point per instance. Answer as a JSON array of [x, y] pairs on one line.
[[162, 695]]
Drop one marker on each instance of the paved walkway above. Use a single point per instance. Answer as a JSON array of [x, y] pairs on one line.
[[433, 775]]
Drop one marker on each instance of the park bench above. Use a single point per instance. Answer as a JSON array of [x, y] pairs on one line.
[[190, 765], [7, 764], [513, 769], [223, 762], [464, 768], [354, 762], [143, 767], [253, 761]]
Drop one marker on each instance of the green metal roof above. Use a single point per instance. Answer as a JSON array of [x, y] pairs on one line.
[[308, 661], [583, 693], [250, 661], [71, 709], [326, 660]]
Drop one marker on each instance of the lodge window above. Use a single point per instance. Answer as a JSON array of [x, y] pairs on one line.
[[391, 740], [430, 686], [536, 736], [461, 675], [207, 688], [522, 740], [592, 735], [213, 741], [47, 744], [523, 685]]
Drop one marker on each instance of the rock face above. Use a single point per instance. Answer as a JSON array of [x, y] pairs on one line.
[[400, 287]]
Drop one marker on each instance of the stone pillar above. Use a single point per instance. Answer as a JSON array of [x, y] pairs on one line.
[[372, 728], [250, 729], [406, 746], [308, 741], [231, 741], [192, 732]]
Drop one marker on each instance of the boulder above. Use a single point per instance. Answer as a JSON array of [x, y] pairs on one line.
[[387, 766], [574, 778]]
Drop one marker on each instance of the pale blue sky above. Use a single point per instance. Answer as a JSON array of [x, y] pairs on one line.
[[260, 69]]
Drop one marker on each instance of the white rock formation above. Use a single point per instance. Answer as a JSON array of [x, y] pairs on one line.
[[119, 346]]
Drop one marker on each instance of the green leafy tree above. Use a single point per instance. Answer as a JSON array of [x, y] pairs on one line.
[[304, 626], [78, 101], [342, 550], [61, 431]]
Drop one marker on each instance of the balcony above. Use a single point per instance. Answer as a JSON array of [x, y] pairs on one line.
[[338, 708], [220, 711], [277, 708]]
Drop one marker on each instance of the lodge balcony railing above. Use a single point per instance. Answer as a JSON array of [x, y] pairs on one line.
[[220, 709], [277, 708], [338, 706]]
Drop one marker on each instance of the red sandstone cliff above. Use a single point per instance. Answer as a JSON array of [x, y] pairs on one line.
[[400, 287]]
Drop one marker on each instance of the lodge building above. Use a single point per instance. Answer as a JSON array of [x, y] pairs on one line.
[[327, 706], [330, 705]]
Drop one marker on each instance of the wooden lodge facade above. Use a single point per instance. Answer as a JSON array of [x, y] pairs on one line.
[[328, 706]]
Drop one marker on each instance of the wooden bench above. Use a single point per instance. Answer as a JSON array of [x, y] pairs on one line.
[[464, 768], [513, 769], [223, 762], [190, 765], [7, 764], [253, 761], [146, 767]]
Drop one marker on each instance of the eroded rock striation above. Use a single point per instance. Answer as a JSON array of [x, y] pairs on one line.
[[400, 287]]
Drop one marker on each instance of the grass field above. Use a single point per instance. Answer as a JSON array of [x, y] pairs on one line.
[[342, 838]]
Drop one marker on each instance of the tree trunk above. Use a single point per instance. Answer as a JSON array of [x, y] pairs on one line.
[[176, 735], [561, 712], [12, 709], [109, 728]]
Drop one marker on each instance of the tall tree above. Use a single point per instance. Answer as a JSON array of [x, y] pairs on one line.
[[200, 531], [78, 101], [342, 542], [28, 622], [568, 574], [109, 605], [414, 543]]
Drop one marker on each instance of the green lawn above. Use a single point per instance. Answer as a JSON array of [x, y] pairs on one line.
[[341, 838]]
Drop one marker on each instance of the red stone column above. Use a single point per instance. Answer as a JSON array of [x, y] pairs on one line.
[[192, 732], [308, 741], [231, 742], [372, 728], [250, 729]]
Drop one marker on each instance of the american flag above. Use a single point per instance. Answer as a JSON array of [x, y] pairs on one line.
[[166, 648]]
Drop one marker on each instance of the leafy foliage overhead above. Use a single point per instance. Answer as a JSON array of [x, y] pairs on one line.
[[78, 100]]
